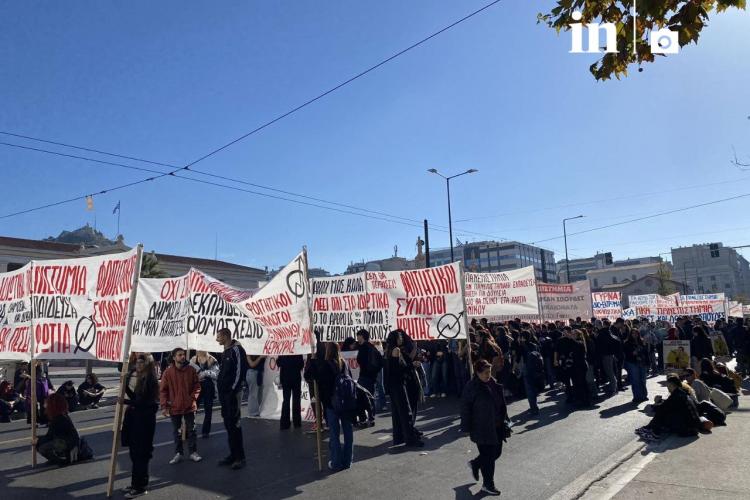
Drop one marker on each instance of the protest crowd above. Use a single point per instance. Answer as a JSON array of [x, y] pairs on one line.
[[344, 382]]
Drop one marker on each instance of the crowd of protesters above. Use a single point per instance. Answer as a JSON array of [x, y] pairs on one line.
[[589, 360]]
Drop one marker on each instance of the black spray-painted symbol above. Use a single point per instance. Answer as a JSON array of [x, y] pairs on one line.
[[449, 326], [295, 280], [85, 334]]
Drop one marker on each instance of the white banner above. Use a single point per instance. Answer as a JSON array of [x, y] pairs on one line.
[[80, 306], [735, 309], [426, 303], [273, 320], [508, 293], [15, 314], [564, 302], [606, 305]]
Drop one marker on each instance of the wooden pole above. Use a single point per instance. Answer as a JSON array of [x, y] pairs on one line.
[[34, 402], [124, 373], [466, 319], [318, 416]]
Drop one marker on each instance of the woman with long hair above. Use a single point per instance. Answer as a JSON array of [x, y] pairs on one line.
[[398, 367], [62, 438], [142, 403], [532, 370], [326, 373], [483, 416], [208, 370]]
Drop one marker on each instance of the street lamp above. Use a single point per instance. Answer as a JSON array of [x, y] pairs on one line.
[[448, 188], [565, 237]]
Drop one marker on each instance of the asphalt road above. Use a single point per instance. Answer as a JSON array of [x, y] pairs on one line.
[[543, 456]]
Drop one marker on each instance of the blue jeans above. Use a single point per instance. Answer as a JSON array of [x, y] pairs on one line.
[[341, 457], [637, 376], [439, 376]]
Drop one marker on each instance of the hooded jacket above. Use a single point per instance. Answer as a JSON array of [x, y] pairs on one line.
[[483, 411]]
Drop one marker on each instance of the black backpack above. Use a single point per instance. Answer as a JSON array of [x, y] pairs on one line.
[[344, 399], [376, 360]]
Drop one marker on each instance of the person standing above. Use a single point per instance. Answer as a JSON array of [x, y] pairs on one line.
[[336, 388], [290, 377], [636, 364], [139, 423], [254, 380], [208, 369], [700, 347], [229, 385], [483, 416], [179, 392], [398, 368], [609, 347], [370, 363]]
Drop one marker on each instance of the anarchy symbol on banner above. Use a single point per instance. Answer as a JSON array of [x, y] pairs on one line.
[[295, 281], [449, 326], [85, 334]]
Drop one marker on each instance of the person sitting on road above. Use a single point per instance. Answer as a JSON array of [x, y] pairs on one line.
[[677, 414], [90, 392], [701, 390], [60, 445], [68, 391], [10, 401], [731, 374], [711, 376]]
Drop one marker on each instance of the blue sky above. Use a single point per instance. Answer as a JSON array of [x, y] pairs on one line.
[[170, 81]]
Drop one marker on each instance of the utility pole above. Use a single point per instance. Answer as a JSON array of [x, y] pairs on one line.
[[426, 244]]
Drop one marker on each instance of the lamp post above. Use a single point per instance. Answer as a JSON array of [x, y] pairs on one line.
[[448, 189], [565, 238]]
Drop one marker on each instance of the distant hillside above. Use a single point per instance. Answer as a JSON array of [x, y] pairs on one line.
[[85, 235]]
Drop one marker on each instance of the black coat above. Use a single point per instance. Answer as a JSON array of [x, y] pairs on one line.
[[701, 347], [483, 411], [290, 370]]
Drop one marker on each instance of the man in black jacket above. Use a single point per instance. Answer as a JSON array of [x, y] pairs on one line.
[[609, 347], [229, 383], [290, 376], [370, 363]]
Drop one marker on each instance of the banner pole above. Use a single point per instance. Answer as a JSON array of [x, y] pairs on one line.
[[318, 419], [466, 318], [124, 372], [34, 402]]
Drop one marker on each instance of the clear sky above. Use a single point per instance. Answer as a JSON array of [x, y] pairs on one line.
[[170, 81]]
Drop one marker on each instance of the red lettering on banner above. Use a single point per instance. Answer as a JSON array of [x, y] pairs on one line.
[[115, 277], [278, 348], [259, 306], [431, 281], [320, 304], [62, 280], [14, 339], [174, 289], [417, 328], [52, 337], [111, 312], [109, 344], [12, 288]]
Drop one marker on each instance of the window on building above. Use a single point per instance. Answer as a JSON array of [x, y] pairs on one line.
[[12, 266], [614, 280], [700, 280], [596, 282], [633, 277], [713, 278], [727, 285]]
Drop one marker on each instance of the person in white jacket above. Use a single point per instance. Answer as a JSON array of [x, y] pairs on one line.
[[208, 369]]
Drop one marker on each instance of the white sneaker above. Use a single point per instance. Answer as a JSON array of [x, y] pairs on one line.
[[177, 459], [443, 395], [195, 457]]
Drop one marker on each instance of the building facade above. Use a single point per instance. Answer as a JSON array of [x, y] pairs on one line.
[[17, 252], [712, 268], [579, 267], [494, 256], [611, 276]]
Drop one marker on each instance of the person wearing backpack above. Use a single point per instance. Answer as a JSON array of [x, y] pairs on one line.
[[337, 391], [232, 372], [370, 363]]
